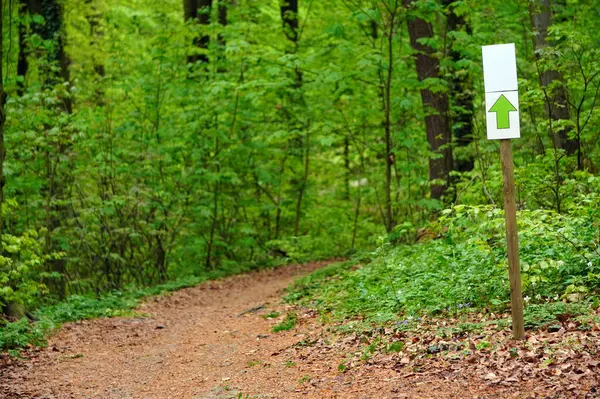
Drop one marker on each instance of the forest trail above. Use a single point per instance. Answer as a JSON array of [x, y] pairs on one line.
[[212, 342]]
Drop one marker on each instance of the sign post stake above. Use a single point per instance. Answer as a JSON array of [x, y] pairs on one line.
[[512, 241], [502, 115]]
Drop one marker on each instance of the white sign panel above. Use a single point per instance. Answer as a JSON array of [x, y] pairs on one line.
[[501, 91]]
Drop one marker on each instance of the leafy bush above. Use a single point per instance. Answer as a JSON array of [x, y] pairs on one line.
[[542, 315], [79, 307], [465, 267], [21, 334], [21, 269]]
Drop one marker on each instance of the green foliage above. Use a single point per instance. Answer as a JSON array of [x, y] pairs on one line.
[[271, 315], [305, 286], [21, 272], [465, 268], [145, 167], [22, 333], [287, 324], [395, 347], [545, 314], [81, 308]]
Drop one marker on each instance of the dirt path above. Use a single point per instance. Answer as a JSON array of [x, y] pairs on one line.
[[195, 344]]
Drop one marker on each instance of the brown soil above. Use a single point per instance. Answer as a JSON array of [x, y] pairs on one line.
[[211, 341]]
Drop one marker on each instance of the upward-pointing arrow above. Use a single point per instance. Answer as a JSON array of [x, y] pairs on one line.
[[502, 107]]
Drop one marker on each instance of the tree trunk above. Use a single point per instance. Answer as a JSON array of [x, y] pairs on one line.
[[462, 93], [22, 63], [222, 17], [289, 19], [10, 309], [303, 183], [190, 10], [223, 7], [200, 11], [52, 29], [390, 158], [56, 211], [94, 17], [555, 98], [2, 122], [96, 32], [204, 10], [437, 124], [347, 170]]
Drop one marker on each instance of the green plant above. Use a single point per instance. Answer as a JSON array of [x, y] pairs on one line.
[[482, 345], [370, 349], [464, 269], [543, 315], [21, 270], [287, 324], [252, 363], [22, 333], [304, 379], [271, 315], [395, 347]]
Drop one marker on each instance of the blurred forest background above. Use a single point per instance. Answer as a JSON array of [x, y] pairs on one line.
[[145, 141]]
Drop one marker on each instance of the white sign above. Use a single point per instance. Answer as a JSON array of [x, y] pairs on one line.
[[501, 91]]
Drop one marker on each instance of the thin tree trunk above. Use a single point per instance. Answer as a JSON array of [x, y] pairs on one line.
[[556, 104], [22, 63], [303, 184], [385, 83], [96, 33], [223, 8], [53, 30], [289, 19], [204, 10], [12, 309], [198, 10], [356, 215], [389, 155], [462, 93], [347, 170], [437, 124], [215, 216], [278, 204], [94, 17], [2, 122], [56, 209]]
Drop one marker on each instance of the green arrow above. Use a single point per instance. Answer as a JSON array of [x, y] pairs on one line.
[[502, 107]]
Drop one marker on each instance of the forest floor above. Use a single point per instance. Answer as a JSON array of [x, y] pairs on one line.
[[215, 341]]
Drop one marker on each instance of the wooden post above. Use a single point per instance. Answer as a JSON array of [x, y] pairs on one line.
[[512, 241]]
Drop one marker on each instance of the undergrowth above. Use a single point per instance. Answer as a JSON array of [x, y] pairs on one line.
[[464, 268]]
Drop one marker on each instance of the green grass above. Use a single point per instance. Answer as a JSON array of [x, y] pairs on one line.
[[271, 315], [287, 324]]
